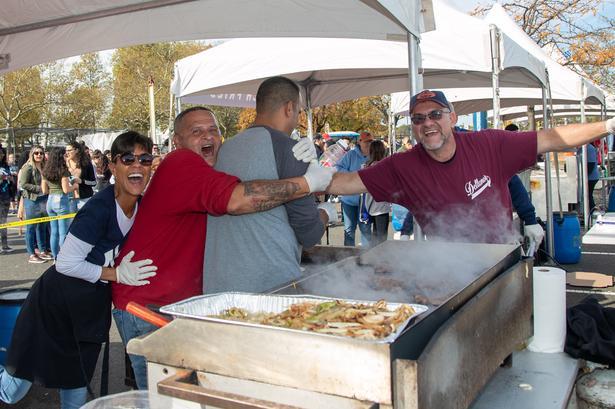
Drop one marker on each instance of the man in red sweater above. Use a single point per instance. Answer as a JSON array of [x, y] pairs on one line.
[[170, 227]]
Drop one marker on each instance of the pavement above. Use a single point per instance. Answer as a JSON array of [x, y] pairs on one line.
[[16, 272]]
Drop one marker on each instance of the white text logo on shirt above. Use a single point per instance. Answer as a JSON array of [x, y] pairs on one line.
[[477, 186]]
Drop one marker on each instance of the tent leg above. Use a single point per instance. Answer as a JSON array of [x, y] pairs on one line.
[[413, 81], [548, 188]]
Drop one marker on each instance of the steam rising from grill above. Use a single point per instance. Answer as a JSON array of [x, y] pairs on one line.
[[427, 273]]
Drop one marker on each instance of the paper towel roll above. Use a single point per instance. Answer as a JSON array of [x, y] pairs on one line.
[[549, 310]]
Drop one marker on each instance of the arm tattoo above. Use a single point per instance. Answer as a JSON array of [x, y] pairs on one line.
[[267, 194]]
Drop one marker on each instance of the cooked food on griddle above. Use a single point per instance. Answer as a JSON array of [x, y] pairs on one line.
[[336, 317]]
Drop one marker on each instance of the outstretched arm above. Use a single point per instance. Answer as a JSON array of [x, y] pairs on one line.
[[261, 195], [346, 183], [570, 136]]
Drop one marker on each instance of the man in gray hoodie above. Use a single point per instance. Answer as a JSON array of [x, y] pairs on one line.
[[259, 251]]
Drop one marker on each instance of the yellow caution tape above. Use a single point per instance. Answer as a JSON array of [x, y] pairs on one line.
[[37, 220]]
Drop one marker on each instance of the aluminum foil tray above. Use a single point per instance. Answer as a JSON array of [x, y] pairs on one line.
[[204, 306]]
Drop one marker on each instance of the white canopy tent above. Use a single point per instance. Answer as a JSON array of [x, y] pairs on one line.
[[33, 31], [332, 70]]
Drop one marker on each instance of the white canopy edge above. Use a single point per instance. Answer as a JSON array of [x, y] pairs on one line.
[[34, 32]]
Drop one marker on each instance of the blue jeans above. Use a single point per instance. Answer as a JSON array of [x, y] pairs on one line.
[[13, 389], [73, 398], [57, 205], [36, 234], [76, 204], [131, 327], [351, 219]]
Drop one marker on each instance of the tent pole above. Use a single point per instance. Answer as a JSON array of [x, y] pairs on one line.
[[152, 111], [308, 103], [412, 42], [548, 189], [494, 34], [583, 179]]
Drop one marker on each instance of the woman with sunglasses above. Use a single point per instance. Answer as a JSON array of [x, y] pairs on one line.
[[57, 186], [35, 203], [82, 171], [67, 314]]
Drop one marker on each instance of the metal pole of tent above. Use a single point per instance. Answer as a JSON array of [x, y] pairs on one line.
[[171, 116], [308, 103], [494, 34], [178, 109], [152, 110], [583, 179], [413, 89], [548, 189]]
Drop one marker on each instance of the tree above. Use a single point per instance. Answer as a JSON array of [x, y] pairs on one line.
[[132, 68], [587, 45], [84, 94], [22, 99], [363, 114]]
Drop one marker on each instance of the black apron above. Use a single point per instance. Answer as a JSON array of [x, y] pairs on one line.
[[59, 331]]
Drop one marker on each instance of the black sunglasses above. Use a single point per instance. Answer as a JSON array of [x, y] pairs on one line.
[[37, 153], [129, 158], [434, 115]]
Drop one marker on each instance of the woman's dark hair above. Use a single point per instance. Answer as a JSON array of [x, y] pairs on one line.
[[377, 152], [127, 141], [83, 160], [3, 161], [55, 167]]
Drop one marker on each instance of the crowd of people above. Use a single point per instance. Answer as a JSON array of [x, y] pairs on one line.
[[53, 181], [235, 216]]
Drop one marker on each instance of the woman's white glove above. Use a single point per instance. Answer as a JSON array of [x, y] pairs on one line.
[[318, 177], [305, 150], [534, 234], [331, 211], [134, 273]]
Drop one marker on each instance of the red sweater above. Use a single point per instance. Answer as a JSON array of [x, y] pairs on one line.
[[170, 228]]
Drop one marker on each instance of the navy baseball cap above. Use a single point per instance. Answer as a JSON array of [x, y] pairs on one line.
[[428, 95]]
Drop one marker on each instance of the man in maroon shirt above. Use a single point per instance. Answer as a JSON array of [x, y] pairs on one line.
[[456, 183], [170, 227]]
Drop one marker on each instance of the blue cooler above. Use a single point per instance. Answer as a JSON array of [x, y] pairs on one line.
[[567, 238], [10, 305], [611, 204]]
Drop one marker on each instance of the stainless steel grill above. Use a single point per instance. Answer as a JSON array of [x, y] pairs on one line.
[[480, 298]]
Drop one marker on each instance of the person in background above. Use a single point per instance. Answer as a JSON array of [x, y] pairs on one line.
[[593, 174], [57, 186], [522, 204], [406, 145], [7, 195], [107, 153], [378, 211], [264, 151], [103, 173], [453, 180], [352, 161], [319, 143], [67, 315], [82, 172], [35, 203], [11, 161]]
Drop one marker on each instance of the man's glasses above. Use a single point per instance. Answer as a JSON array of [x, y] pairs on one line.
[[435, 115], [129, 158]]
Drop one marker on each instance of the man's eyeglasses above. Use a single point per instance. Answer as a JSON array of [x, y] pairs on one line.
[[129, 158], [435, 115]]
